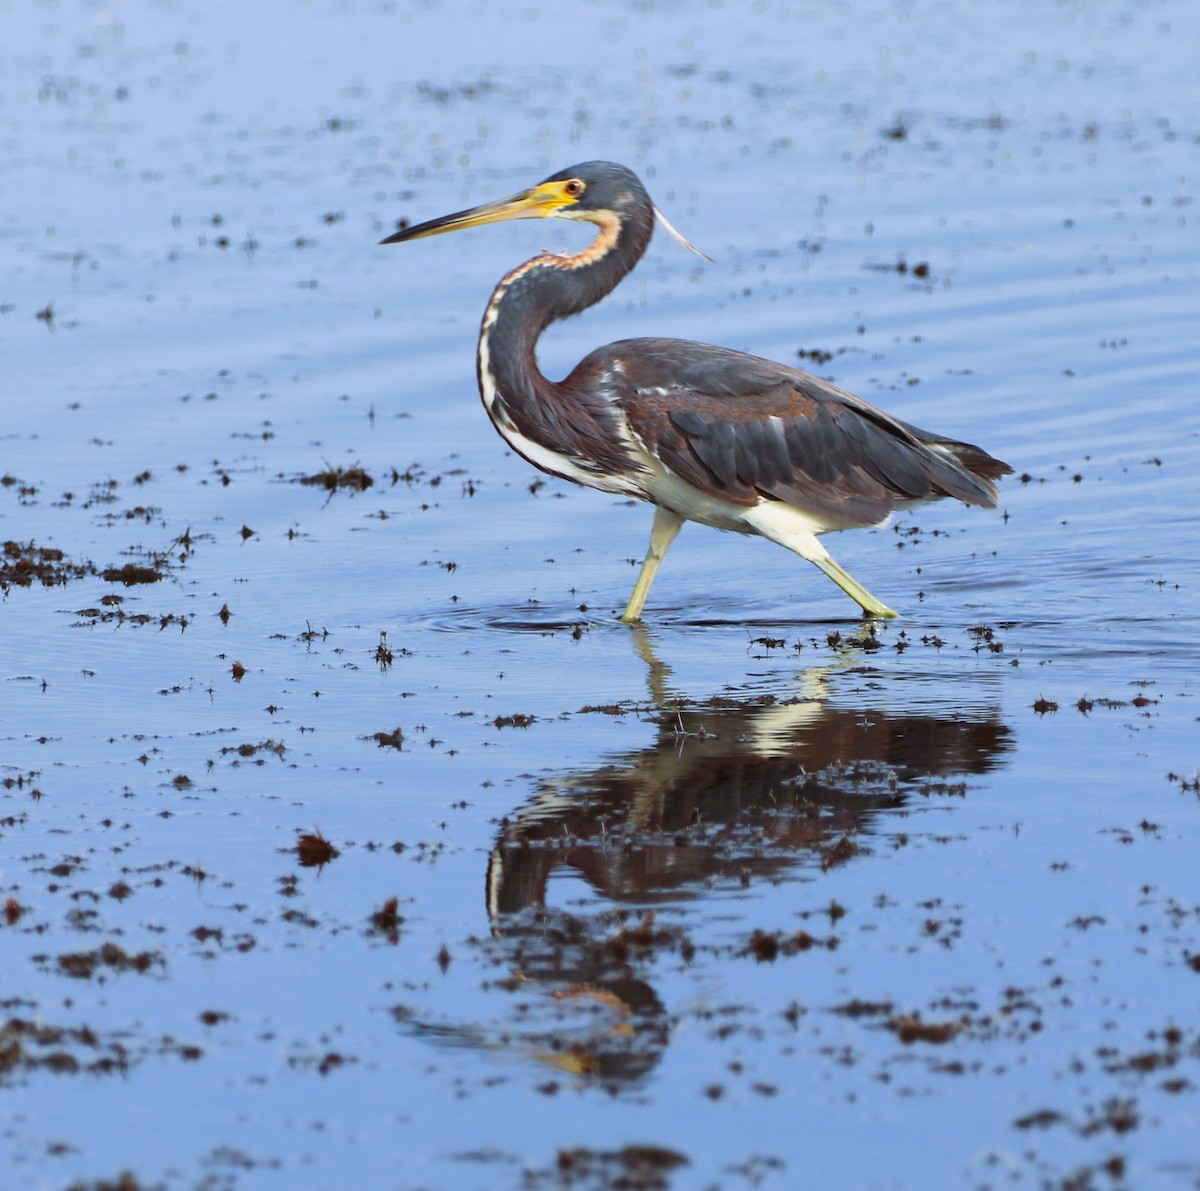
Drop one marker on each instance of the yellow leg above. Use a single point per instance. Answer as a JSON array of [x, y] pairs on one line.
[[859, 594], [778, 522], [662, 533]]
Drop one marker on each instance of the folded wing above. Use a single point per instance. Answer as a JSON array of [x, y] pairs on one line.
[[745, 429]]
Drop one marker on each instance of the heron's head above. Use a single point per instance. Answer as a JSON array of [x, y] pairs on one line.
[[599, 192]]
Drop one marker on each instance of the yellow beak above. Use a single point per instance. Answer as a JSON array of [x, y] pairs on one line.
[[540, 202]]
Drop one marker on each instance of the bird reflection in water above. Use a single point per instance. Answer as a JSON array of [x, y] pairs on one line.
[[733, 790]]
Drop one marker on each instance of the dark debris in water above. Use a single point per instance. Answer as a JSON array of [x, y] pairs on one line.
[[248, 751], [24, 563], [131, 574], [768, 946], [112, 611], [28, 1045], [519, 720], [388, 920], [125, 1181], [389, 740], [109, 957], [333, 479], [635, 1167], [313, 850], [920, 269]]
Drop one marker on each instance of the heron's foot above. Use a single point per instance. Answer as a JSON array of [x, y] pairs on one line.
[[880, 612]]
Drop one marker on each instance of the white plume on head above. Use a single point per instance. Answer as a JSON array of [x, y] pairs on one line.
[[661, 218]]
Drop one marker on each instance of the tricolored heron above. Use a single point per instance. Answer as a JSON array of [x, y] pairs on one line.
[[703, 433]]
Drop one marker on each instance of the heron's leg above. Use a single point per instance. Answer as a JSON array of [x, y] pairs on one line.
[[662, 533], [859, 594], [780, 523]]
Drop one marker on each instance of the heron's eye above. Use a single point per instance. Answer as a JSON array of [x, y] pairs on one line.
[[574, 187]]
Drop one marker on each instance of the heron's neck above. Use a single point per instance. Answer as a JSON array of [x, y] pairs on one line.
[[540, 292]]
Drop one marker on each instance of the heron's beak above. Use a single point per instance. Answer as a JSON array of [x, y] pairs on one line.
[[538, 203]]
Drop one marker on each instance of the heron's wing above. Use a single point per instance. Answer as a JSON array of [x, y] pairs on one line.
[[741, 428]]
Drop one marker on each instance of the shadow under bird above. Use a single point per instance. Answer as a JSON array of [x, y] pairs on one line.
[[703, 433]]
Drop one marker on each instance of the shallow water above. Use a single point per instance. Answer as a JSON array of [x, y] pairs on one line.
[[754, 896]]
